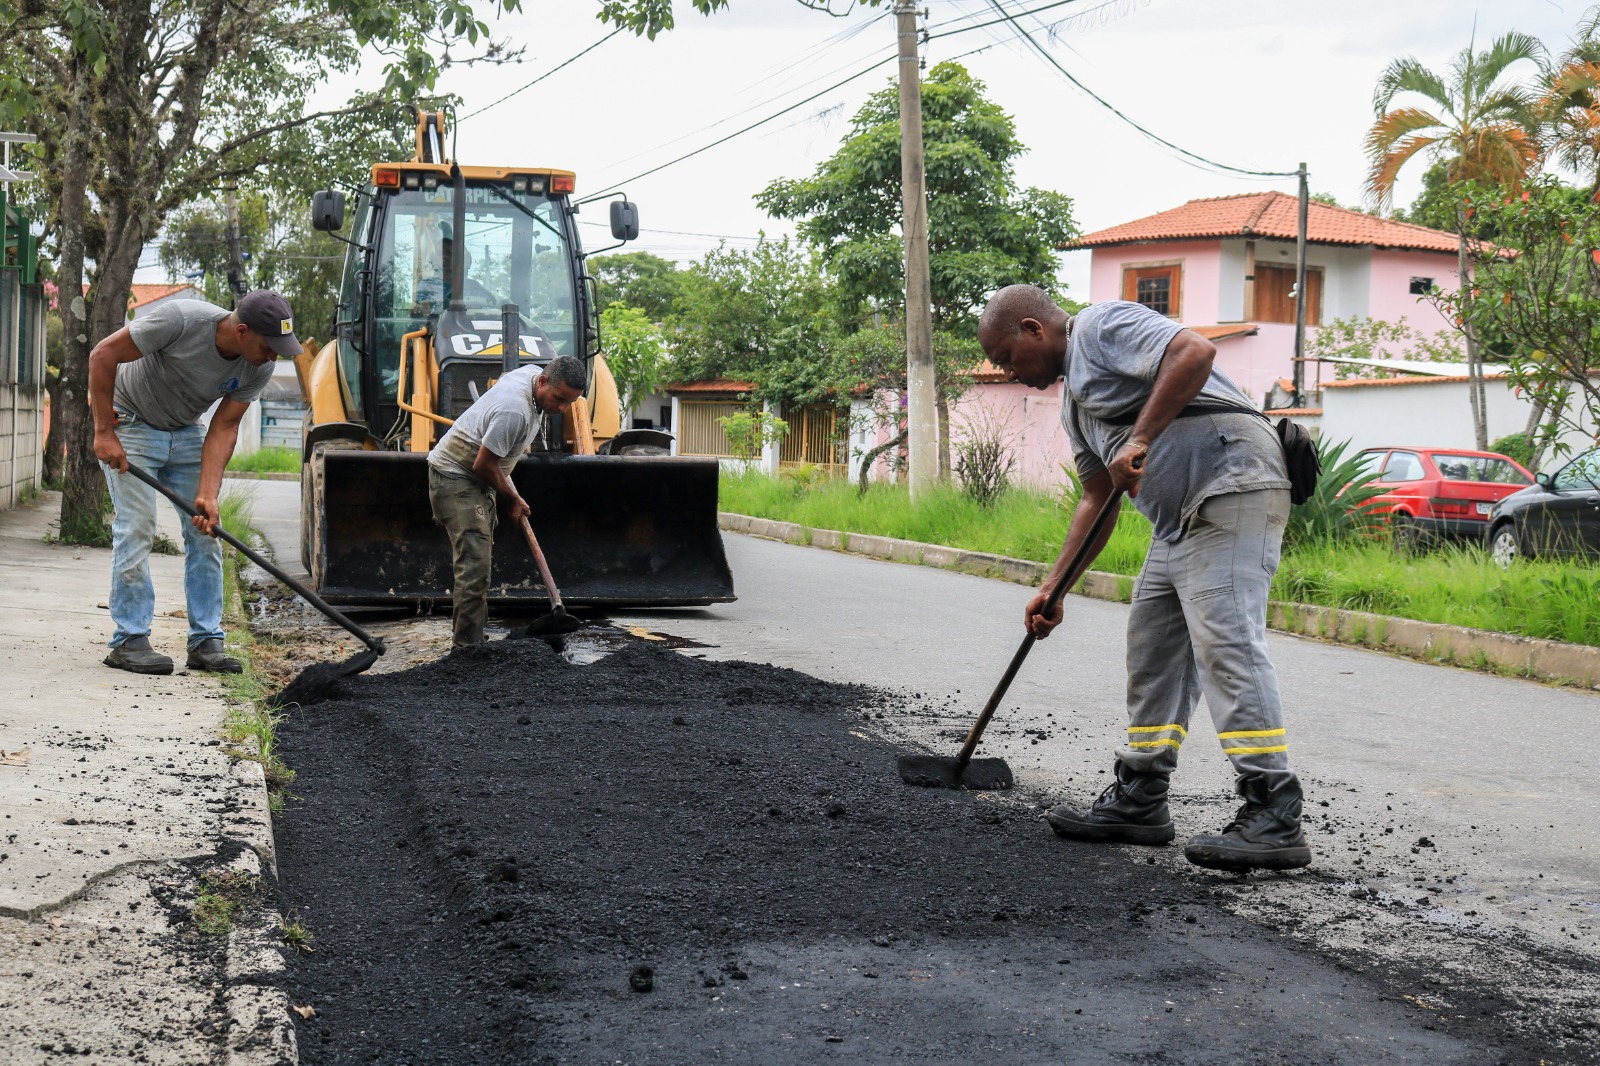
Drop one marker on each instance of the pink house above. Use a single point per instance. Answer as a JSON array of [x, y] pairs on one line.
[[1225, 268], [1227, 264]]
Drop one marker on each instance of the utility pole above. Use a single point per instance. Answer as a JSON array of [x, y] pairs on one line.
[[237, 286], [1300, 289], [921, 410]]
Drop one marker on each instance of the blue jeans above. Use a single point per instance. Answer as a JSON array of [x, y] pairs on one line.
[[172, 457]]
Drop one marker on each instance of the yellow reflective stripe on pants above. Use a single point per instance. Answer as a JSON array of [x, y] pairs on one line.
[[1164, 742], [1182, 732], [1253, 734]]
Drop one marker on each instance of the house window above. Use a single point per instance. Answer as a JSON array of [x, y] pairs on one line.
[[1155, 286], [1421, 286], [1274, 284]]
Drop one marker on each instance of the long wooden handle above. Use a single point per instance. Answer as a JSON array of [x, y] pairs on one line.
[[262, 561], [1079, 559], [544, 567]]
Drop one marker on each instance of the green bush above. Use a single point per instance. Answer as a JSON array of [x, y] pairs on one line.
[[1517, 446], [1341, 508]]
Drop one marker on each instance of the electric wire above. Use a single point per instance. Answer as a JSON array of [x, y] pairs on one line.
[[1192, 157], [542, 77], [613, 187]]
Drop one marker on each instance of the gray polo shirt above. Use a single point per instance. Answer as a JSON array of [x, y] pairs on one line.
[[505, 420], [182, 373], [1112, 359]]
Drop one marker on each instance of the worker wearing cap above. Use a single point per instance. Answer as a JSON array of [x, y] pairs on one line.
[[149, 384], [469, 474]]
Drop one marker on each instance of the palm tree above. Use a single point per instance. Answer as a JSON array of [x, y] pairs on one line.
[[1571, 104], [1482, 129]]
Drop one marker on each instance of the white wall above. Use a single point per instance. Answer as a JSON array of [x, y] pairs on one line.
[[1424, 413]]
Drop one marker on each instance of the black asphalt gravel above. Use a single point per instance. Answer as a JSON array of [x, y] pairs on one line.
[[655, 858]]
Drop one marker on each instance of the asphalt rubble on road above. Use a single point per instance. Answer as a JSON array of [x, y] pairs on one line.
[[653, 857]]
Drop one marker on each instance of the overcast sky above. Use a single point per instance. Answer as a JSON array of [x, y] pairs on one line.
[[1255, 84]]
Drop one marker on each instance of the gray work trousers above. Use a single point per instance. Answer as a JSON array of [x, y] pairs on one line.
[[1199, 625], [467, 510]]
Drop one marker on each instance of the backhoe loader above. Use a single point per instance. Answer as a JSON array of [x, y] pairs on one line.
[[453, 276]]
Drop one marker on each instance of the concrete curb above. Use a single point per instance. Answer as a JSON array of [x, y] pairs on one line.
[[251, 475], [260, 1032], [1530, 657]]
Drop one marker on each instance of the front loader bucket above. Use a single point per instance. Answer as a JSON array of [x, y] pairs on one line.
[[618, 531]]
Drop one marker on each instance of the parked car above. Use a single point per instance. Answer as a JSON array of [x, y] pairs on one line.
[[1559, 515], [1435, 494]]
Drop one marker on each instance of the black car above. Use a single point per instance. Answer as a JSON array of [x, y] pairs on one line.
[[1558, 516]]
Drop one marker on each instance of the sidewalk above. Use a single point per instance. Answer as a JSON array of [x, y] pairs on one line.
[[115, 794]]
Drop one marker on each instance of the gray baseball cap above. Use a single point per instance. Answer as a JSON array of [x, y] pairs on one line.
[[268, 314]]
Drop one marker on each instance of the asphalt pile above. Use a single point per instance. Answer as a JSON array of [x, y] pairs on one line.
[[657, 858]]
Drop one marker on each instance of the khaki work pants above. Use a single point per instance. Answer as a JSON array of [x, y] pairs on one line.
[[468, 511]]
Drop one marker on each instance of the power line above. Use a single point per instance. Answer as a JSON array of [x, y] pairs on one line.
[[541, 77], [613, 186], [1097, 98]]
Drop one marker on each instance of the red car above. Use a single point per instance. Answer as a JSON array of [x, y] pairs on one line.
[[1434, 494]]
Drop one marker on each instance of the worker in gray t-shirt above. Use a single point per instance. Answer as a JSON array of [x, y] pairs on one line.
[[470, 468], [149, 384], [1149, 415]]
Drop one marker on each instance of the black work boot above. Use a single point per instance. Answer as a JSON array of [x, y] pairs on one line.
[[1132, 810], [135, 654], [208, 655], [1264, 835]]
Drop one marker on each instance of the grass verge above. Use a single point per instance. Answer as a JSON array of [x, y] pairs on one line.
[[267, 461], [250, 724], [1454, 585]]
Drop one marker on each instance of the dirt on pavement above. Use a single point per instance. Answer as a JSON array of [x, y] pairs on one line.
[[507, 855]]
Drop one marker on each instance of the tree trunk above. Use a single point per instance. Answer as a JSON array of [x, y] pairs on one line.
[[944, 439], [871, 456], [1475, 392], [84, 501]]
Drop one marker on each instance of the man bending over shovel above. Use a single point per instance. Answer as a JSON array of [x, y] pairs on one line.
[[471, 466], [1147, 414]]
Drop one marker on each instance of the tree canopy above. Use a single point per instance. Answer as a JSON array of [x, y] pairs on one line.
[[141, 109], [984, 231]]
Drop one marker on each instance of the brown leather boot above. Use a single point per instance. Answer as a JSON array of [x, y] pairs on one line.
[[135, 654]]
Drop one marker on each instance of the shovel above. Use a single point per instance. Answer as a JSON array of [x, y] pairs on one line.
[[986, 775], [315, 682], [558, 621]]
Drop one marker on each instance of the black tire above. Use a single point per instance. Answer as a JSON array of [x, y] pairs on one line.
[[1407, 537], [1505, 546]]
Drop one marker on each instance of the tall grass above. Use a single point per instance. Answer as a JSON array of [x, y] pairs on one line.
[[1454, 586], [267, 461], [1022, 524]]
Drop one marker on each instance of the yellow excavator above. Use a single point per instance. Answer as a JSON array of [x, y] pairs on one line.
[[455, 275]]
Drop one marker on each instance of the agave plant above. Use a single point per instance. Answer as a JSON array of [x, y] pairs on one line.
[[1342, 506]]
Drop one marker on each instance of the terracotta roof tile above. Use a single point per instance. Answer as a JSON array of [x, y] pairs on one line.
[[1414, 379], [1304, 412], [715, 385], [1229, 329], [143, 294], [1269, 215]]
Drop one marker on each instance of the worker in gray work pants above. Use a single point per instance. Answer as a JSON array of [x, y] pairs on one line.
[[1148, 414]]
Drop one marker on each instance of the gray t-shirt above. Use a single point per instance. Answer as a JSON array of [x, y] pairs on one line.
[[182, 373], [505, 420], [1112, 360]]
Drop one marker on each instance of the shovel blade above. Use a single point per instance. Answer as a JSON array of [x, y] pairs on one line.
[[945, 771]]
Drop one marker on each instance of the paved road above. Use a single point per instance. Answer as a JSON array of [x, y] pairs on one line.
[[1460, 802]]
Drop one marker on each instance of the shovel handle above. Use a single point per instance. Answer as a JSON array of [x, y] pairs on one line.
[[556, 605], [260, 560], [1079, 559]]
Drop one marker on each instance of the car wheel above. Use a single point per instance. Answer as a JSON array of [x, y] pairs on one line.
[[1504, 546], [1407, 538]]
